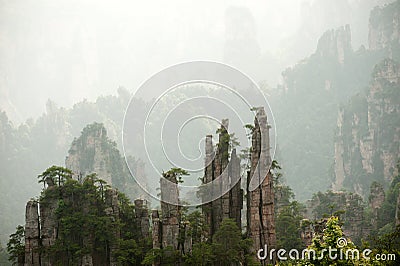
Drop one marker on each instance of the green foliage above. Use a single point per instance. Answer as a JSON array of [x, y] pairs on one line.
[[322, 243], [329, 203], [249, 127], [114, 163], [16, 245], [81, 216], [167, 256], [132, 244], [153, 256], [367, 114], [386, 213], [128, 253], [55, 175], [276, 174], [226, 243], [288, 223], [202, 254], [307, 105], [234, 141], [85, 224], [288, 212], [229, 247], [249, 130], [197, 226], [175, 174], [226, 141], [28, 148], [4, 256], [387, 244]]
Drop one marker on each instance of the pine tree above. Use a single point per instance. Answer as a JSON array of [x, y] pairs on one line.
[[16, 246]]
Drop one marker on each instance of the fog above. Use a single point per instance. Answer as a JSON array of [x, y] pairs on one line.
[[71, 50], [69, 68]]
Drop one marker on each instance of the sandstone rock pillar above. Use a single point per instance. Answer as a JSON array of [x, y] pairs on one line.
[[112, 210], [208, 177], [170, 210], [142, 218], [260, 201], [32, 234], [49, 227]]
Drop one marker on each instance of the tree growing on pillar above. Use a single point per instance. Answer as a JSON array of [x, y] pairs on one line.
[[16, 246]]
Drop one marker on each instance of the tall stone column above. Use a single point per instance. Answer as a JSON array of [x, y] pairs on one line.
[[142, 218], [49, 227], [236, 193], [32, 234], [220, 206], [156, 232], [208, 177], [260, 202], [376, 199], [170, 210], [112, 210], [228, 205]]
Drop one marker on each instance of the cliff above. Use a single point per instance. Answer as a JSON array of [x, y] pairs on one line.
[[79, 219], [368, 133], [94, 152], [384, 27], [335, 44], [83, 224], [45, 141], [307, 103]]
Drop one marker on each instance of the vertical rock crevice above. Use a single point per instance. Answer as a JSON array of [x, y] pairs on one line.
[[223, 168]]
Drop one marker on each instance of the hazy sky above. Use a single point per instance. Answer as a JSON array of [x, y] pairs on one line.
[[71, 50]]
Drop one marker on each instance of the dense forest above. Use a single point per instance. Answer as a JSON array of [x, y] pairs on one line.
[[337, 122]]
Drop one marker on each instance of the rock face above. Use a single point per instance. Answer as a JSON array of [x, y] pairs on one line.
[[260, 202], [41, 234], [48, 226], [307, 105], [367, 138], [87, 153], [384, 27], [349, 206], [91, 152], [335, 44], [156, 233], [376, 199], [170, 211], [219, 164], [112, 210], [207, 208], [32, 234], [397, 221], [142, 217], [368, 134], [236, 193], [307, 232], [168, 230], [94, 152]]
